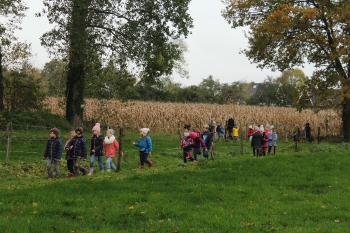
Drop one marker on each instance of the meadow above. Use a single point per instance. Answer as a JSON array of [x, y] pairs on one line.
[[292, 191]]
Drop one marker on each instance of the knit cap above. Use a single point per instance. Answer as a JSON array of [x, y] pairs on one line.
[[96, 127], [79, 130], [111, 130], [145, 130], [55, 131]]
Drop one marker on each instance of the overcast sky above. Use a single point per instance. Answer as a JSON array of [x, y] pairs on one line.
[[213, 45]]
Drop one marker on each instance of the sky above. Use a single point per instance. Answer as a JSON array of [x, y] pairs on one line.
[[213, 46]]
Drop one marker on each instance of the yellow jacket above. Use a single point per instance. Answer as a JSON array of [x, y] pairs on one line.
[[235, 131]]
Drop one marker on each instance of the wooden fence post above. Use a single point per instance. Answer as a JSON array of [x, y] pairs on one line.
[[319, 135], [9, 138], [241, 141], [120, 151]]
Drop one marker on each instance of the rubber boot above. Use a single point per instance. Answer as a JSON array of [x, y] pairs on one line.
[[69, 175], [150, 163], [142, 167], [91, 171]]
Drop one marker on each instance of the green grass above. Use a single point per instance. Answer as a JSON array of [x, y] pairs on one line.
[[303, 191]]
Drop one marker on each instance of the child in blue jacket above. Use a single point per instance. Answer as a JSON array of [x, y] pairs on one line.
[[53, 152], [272, 135], [145, 144]]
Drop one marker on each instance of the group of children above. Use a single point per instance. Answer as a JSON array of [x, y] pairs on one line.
[[191, 142], [76, 150], [262, 138]]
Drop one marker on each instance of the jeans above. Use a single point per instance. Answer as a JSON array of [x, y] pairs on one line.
[[57, 167], [196, 151], [109, 164], [92, 161]]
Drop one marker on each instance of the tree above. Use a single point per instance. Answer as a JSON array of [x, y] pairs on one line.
[[23, 89], [134, 32], [54, 74], [209, 90], [11, 14], [285, 34]]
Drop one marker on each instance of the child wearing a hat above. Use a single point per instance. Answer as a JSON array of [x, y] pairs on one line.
[[96, 150], [111, 145], [53, 152], [197, 143], [186, 143], [78, 150], [145, 144]]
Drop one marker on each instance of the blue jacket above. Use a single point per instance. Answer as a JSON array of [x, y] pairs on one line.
[[97, 145], [145, 144], [79, 149], [207, 139], [53, 149], [270, 138]]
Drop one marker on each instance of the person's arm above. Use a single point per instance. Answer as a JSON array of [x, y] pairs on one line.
[[149, 144], [116, 144], [59, 149], [84, 148]]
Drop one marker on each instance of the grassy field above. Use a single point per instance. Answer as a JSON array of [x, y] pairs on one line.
[[293, 191]]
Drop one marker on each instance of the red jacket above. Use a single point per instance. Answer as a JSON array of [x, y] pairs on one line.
[[250, 132], [111, 146]]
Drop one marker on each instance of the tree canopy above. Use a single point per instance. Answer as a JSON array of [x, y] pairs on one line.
[[131, 32]]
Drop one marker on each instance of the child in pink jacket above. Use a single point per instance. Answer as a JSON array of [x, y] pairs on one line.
[[111, 146]]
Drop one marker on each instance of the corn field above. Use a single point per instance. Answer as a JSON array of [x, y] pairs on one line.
[[170, 117]]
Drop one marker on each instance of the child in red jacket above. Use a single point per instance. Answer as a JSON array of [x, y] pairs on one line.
[[111, 146]]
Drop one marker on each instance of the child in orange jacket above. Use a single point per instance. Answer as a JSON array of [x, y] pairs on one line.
[[110, 144]]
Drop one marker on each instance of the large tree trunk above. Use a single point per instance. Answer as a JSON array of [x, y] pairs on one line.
[[346, 119], [76, 66], [1, 83]]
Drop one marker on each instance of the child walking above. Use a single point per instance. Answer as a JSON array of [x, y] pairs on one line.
[[53, 153], [207, 138], [197, 143], [69, 157], [221, 131], [235, 131], [272, 135], [111, 145], [78, 150], [186, 143], [256, 142], [96, 150], [145, 144]]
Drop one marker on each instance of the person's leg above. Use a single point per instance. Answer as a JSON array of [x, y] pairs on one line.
[[184, 155], [48, 167], [196, 151], [76, 162], [112, 165], [108, 164], [100, 163], [92, 162], [57, 168]]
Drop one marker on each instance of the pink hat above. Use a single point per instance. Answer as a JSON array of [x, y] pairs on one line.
[[193, 135], [96, 127]]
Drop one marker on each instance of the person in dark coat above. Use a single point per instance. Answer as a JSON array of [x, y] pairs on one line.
[[257, 141], [53, 152], [207, 138], [230, 125], [308, 132], [78, 150], [96, 150]]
